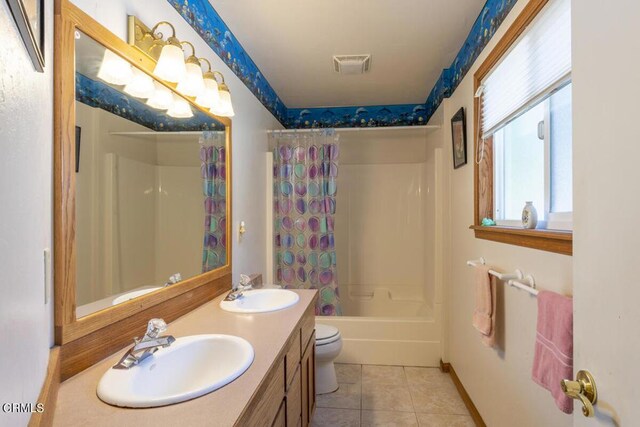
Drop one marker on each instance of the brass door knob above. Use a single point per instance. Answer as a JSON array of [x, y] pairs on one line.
[[583, 389]]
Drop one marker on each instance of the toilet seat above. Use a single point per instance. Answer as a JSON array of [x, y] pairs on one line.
[[326, 334]]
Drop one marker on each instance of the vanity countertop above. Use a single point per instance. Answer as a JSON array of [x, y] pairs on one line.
[[78, 404]]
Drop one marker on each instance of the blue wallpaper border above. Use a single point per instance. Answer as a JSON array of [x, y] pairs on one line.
[[201, 15], [100, 95]]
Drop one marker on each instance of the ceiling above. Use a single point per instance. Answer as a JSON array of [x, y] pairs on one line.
[[293, 41]]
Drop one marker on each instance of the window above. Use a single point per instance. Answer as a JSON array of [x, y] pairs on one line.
[[523, 124], [532, 162]]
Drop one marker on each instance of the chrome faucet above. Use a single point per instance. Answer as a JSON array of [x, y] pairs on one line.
[[146, 346], [173, 279], [237, 292]]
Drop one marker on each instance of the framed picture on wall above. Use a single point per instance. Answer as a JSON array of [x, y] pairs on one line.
[[29, 17], [459, 137]]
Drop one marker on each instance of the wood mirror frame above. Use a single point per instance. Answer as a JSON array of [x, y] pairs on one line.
[[89, 339]]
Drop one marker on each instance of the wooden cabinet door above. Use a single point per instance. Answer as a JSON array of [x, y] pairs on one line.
[[312, 377], [308, 373], [294, 401], [281, 418]]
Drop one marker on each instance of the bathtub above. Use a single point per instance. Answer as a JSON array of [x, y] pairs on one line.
[[402, 332]]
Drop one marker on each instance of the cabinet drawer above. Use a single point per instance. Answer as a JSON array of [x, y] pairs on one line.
[[292, 358], [308, 325], [294, 401], [268, 400]]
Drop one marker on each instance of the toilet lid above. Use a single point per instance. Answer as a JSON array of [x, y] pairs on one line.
[[326, 334]]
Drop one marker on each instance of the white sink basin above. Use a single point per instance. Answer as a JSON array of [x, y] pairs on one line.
[[191, 367], [133, 294], [261, 301]]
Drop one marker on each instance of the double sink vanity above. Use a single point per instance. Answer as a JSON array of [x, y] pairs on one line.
[[143, 248], [224, 368]]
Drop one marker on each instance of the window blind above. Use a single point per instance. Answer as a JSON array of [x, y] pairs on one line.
[[537, 64]]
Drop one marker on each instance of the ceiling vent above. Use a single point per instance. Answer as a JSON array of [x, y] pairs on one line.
[[351, 64]]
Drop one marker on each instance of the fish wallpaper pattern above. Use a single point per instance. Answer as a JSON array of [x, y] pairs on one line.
[[362, 116], [210, 26], [100, 95]]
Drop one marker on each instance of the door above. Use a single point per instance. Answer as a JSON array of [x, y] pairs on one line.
[[606, 257]]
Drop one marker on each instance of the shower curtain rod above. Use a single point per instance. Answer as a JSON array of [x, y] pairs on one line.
[[426, 127]]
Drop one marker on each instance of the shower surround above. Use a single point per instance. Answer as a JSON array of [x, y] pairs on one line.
[[387, 232]]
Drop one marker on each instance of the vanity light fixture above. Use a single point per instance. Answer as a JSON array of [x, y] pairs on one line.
[[170, 64], [114, 70], [180, 108], [209, 96], [141, 86], [162, 98], [224, 107], [208, 91], [192, 83]]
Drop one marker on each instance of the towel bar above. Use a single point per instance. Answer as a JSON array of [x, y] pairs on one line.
[[517, 275], [515, 279], [476, 262], [502, 276], [527, 284]]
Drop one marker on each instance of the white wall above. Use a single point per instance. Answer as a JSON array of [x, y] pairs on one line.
[[26, 331], [249, 125], [498, 381]]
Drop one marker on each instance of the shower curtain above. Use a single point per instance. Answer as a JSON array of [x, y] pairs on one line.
[[212, 156], [305, 175]]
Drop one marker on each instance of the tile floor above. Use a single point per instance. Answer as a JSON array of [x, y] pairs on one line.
[[391, 396]]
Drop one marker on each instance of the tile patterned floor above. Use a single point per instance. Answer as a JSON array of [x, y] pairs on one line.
[[391, 396]]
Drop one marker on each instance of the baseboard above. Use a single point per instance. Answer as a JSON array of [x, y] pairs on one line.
[[49, 392], [473, 411]]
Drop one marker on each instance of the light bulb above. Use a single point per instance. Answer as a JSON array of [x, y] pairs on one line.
[[224, 107], [192, 83], [114, 69], [209, 96], [141, 86], [171, 66], [162, 97], [180, 109]]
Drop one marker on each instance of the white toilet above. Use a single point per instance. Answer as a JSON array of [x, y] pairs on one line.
[[328, 346]]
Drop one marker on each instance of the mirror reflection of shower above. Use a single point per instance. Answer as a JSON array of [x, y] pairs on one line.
[[140, 211]]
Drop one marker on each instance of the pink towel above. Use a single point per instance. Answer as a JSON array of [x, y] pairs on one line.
[[553, 358], [484, 315]]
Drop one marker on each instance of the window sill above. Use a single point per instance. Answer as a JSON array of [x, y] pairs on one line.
[[560, 242]]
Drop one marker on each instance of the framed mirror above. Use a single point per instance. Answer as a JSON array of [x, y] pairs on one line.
[[142, 194]]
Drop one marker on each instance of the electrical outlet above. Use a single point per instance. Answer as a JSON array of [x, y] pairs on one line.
[[47, 274]]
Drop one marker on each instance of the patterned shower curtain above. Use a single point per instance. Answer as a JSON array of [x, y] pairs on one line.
[[212, 155], [305, 176]]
